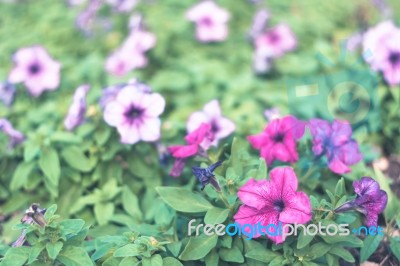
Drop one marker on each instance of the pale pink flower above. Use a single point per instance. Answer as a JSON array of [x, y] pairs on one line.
[[277, 41], [76, 111], [35, 67], [135, 114], [211, 114], [273, 202], [123, 5], [211, 21]]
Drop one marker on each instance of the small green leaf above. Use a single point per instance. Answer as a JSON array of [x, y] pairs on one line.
[[21, 175], [129, 261], [102, 134], [304, 240], [262, 169], [319, 249], [170, 261], [50, 165], [72, 226], [198, 247], [76, 158], [155, 260], [50, 211], [130, 203], [261, 254], [129, 250], [231, 254], [212, 258], [103, 212], [35, 251], [340, 188], [395, 247], [54, 249], [74, 256], [183, 200], [15, 256], [371, 243], [342, 253], [216, 215], [31, 149]]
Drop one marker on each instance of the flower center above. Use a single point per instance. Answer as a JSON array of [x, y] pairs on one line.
[[34, 68], [279, 137], [134, 112], [207, 21], [214, 127], [273, 37], [279, 205], [394, 58]]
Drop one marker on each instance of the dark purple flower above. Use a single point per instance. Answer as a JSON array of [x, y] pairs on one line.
[[7, 93], [76, 112], [334, 140], [206, 176], [370, 201], [15, 136]]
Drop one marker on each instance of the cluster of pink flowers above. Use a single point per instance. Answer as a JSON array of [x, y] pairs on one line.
[[382, 43]]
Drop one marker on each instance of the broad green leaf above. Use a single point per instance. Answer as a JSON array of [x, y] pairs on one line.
[[65, 137], [216, 215], [231, 254], [395, 247], [130, 203], [212, 258], [350, 240], [303, 240], [102, 134], [129, 261], [342, 253], [76, 158], [50, 211], [198, 247], [74, 256], [72, 226], [31, 149], [170, 261], [183, 200], [35, 251], [21, 175], [318, 249], [103, 212], [371, 243], [112, 261], [54, 249], [175, 248], [155, 260], [262, 254], [15, 256], [129, 250], [50, 165]]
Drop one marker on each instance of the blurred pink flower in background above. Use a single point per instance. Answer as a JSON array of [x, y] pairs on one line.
[[135, 114], [198, 142], [272, 113], [211, 114], [76, 111], [15, 137], [35, 67], [211, 21], [123, 5], [278, 139], [7, 93], [274, 201], [382, 42]]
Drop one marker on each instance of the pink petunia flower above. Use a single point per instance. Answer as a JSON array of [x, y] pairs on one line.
[[211, 21], [123, 5], [35, 67], [278, 40], [135, 114], [211, 114], [334, 140], [15, 137], [273, 202], [278, 140], [76, 111], [197, 141]]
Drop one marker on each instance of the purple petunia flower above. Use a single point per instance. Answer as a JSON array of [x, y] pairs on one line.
[[35, 67], [211, 21], [334, 140], [76, 112], [211, 114], [7, 93], [259, 23], [15, 136], [135, 114], [370, 201], [382, 42]]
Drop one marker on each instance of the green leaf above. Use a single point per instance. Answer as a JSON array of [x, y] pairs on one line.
[[50, 211], [103, 212], [65, 137], [319, 249], [102, 134], [216, 215], [35, 251], [155, 260], [74, 256], [340, 188], [342, 253], [170, 261], [15, 256], [72, 226], [174, 248], [21, 175], [130, 203], [76, 158], [183, 200], [31, 149], [349, 239], [212, 258], [262, 169], [231, 254], [129, 250], [304, 240], [50, 165], [198, 247], [54, 249], [371, 243], [129, 261], [395, 247], [262, 254]]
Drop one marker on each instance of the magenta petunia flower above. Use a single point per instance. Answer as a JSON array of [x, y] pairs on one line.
[[15, 137], [135, 114], [278, 41], [273, 202], [35, 67], [278, 140], [7, 93], [76, 111], [371, 200], [334, 140], [381, 42], [197, 141], [211, 114], [211, 21]]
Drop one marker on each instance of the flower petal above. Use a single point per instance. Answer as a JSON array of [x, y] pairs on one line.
[[113, 113], [298, 209], [283, 178], [149, 129], [154, 104], [255, 194]]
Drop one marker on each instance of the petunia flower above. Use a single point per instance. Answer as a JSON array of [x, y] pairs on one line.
[[206, 176], [273, 202], [260, 21], [278, 41], [7, 93], [278, 140], [15, 137], [382, 42], [123, 5], [211, 21], [76, 111], [211, 114], [334, 140], [370, 201], [35, 67], [197, 141], [135, 114]]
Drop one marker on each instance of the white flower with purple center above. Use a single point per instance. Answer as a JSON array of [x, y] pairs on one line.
[[76, 112], [211, 21], [135, 114], [221, 126], [35, 67]]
